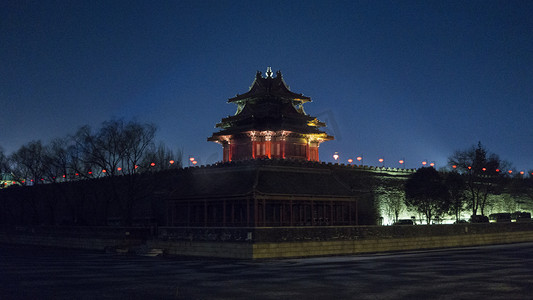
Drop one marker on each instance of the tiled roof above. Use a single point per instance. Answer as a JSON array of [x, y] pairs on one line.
[[262, 178], [269, 86]]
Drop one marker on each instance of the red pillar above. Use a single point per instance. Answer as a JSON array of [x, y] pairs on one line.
[[253, 149], [230, 153], [268, 148]]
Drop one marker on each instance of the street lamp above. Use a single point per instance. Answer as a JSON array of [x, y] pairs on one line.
[[360, 159], [336, 156], [401, 161], [350, 160], [381, 160]]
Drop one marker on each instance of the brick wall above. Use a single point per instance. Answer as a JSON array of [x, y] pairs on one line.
[[259, 243]]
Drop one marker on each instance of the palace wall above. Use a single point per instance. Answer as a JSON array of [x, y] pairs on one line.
[[268, 243], [109, 201]]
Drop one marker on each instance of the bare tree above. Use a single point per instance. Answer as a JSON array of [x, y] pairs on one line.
[[118, 148], [392, 198], [56, 160], [456, 191], [4, 165], [482, 172], [162, 158], [28, 161]]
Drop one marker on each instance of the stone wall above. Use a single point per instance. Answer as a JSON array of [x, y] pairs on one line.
[[94, 238], [260, 243]]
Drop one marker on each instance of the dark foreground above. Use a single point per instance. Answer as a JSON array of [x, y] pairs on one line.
[[494, 272]]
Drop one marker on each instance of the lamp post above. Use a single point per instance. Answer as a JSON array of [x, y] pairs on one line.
[[336, 156], [360, 159], [381, 160], [401, 161]]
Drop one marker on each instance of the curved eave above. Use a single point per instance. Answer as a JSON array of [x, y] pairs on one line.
[[252, 96]]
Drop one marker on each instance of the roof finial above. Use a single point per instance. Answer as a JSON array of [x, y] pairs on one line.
[[269, 72]]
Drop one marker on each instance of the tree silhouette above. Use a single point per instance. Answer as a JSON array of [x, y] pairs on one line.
[[482, 172], [455, 184], [426, 193]]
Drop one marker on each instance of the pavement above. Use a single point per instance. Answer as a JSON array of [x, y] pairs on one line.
[[490, 272]]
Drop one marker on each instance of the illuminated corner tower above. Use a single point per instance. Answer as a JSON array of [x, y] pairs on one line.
[[270, 122]]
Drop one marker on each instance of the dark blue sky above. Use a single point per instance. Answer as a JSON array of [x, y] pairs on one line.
[[401, 79]]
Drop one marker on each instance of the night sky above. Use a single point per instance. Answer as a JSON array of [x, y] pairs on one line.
[[411, 80]]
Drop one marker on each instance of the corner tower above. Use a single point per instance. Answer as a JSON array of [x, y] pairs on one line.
[[270, 122]]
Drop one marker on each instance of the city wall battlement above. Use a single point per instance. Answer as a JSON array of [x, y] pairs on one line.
[[307, 164], [270, 243]]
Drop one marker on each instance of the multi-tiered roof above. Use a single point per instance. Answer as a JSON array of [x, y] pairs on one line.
[[269, 105]]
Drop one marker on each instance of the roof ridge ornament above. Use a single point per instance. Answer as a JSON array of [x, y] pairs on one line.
[[269, 72]]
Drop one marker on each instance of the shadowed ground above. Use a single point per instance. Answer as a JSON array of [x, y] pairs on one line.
[[492, 272]]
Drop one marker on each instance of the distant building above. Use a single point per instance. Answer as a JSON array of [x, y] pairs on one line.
[[270, 122]]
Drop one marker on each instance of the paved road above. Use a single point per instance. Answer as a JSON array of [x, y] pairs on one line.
[[494, 272]]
